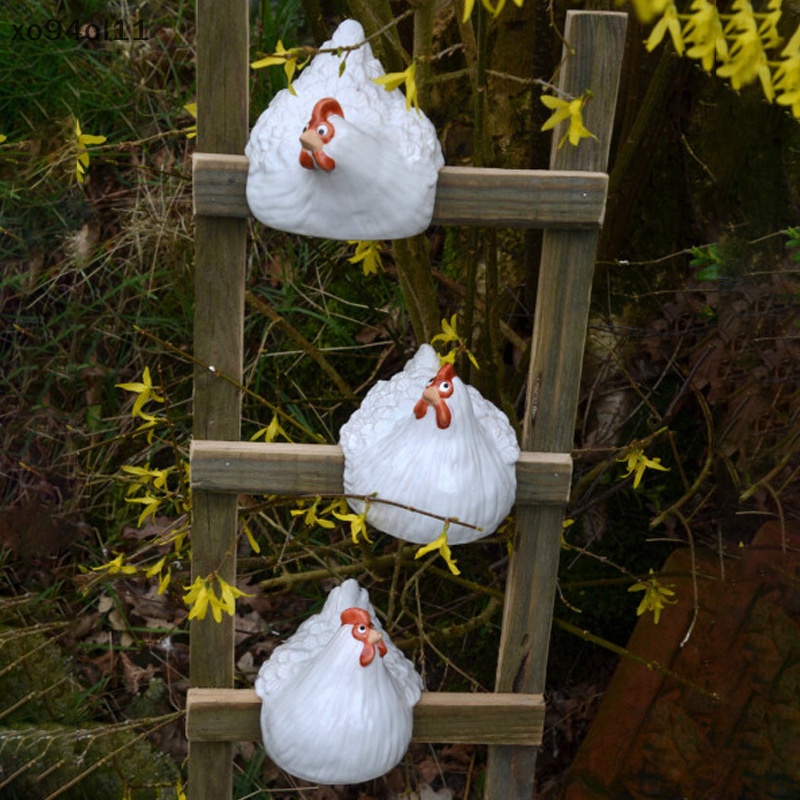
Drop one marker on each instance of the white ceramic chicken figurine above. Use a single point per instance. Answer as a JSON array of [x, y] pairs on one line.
[[338, 696], [427, 440], [343, 158]]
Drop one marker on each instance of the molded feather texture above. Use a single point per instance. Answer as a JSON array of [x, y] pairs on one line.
[[326, 718], [466, 471], [388, 402], [338, 722], [387, 157]]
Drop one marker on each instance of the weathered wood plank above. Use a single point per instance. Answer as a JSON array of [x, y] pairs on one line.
[[464, 195], [592, 56], [218, 185], [220, 252], [292, 469], [520, 198], [232, 715]]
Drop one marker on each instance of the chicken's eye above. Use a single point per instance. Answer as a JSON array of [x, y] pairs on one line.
[[362, 629], [305, 128], [322, 130], [444, 387]]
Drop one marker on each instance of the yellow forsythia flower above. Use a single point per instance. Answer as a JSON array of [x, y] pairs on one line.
[[271, 431], [450, 334], [310, 514], [638, 462], [441, 546], [393, 80], [145, 475], [768, 27], [787, 75], [201, 596], [150, 504], [449, 331], [84, 140], [145, 391], [155, 568], [369, 254], [571, 110], [494, 10], [747, 59], [191, 131], [358, 523], [648, 10], [116, 567], [668, 22], [163, 577], [282, 56], [196, 597], [655, 596], [254, 545], [703, 33]]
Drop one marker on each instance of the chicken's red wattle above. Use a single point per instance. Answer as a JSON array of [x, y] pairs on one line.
[[319, 132], [327, 718], [435, 394], [375, 179], [364, 631], [461, 468]]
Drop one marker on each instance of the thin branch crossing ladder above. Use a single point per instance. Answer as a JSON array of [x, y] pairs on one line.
[[568, 202]]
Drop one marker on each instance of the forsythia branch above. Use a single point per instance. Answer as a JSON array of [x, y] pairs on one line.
[[743, 45]]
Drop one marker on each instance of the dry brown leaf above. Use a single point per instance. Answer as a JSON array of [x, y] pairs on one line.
[[134, 675]]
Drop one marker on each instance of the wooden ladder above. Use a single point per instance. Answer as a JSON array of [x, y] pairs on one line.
[[568, 202]]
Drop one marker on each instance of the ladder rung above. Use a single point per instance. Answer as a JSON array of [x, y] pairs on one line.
[[299, 469], [232, 715], [511, 198]]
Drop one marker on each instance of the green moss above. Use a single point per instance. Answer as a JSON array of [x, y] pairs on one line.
[[47, 741], [95, 761]]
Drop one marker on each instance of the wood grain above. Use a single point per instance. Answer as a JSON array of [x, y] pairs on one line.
[[569, 203], [520, 198], [464, 195], [220, 251], [232, 715], [295, 469], [592, 56]]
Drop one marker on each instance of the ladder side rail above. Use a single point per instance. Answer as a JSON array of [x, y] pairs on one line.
[[220, 253], [220, 244], [592, 58]]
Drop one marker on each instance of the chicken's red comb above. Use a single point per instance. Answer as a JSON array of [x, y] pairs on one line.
[[325, 107], [356, 616], [446, 373]]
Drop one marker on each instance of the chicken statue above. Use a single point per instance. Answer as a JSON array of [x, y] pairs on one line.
[[338, 696], [342, 158], [426, 442]]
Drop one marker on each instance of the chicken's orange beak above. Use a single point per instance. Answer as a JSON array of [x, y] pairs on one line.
[[374, 642], [376, 638], [312, 143], [431, 394], [311, 140], [431, 397]]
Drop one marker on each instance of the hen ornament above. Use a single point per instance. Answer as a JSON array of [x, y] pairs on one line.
[[342, 158], [338, 696], [425, 439]]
